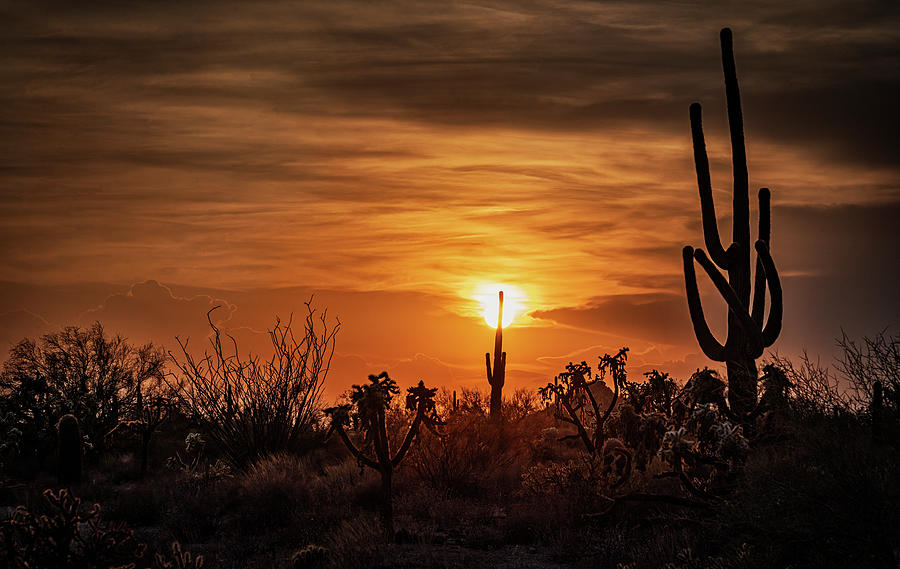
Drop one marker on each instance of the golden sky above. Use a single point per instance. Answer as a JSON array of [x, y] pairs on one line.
[[394, 157]]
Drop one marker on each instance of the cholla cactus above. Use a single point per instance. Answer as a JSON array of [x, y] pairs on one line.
[[67, 535], [729, 440], [368, 408], [309, 557], [178, 559], [616, 462], [572, 390], [677, 443]]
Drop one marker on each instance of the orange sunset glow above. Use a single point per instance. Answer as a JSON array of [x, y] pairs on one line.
[[493, 284], [402, 166]]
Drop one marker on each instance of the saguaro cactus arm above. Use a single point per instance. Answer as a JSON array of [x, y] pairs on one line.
[[773, 325], [759, 284], [754, 335], [707, 205], [708, 343]]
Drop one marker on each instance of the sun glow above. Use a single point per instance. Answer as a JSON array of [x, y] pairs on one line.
[[514, 302]]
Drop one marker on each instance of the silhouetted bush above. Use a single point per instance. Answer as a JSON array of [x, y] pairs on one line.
[[76, 371], [250, 408]]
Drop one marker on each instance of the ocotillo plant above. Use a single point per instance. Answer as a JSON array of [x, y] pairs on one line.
[[876, 409], [748, 335], [496, 376], [69, 457], [368, 408]]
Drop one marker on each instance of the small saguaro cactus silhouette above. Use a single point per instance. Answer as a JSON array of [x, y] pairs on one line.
[[748, 334], [496, 375], [69, 456], [367, 409]]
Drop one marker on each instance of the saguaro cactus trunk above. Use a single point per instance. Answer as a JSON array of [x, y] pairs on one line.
[[497, 375], [747, 335], [69, 455]]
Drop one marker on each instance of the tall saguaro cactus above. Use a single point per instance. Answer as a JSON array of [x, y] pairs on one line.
[[497, 375], [368, 409], [748, 334]]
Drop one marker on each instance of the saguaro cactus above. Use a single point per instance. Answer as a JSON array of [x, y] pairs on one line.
[[497, 375], [368, 407], [69, 457], [748, 335]]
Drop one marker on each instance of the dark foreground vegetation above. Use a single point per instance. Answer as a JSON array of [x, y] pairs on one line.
[[595, 470]]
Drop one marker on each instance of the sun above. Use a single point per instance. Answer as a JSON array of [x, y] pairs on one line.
[[514, 302]]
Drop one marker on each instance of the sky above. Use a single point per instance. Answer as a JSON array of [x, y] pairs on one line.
[[396, 159]]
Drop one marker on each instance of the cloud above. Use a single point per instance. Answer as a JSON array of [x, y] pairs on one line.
[[652, 317], [150, 312]]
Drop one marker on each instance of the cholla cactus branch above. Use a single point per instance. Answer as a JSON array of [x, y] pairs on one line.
[[572, 389]]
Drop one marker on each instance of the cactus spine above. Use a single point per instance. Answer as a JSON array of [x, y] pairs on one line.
[[496, 376], [69, 456], [748, 335]]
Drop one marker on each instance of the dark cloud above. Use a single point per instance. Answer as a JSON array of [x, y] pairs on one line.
[[814, 72], [659, 318]]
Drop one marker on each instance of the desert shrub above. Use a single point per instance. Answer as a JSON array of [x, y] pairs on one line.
[[826, 498], [815, 390], [75, 371], [355, 543], [577, 477], [869, 361], [251, 408], [272, 492], [68, 536], [475, 456]]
